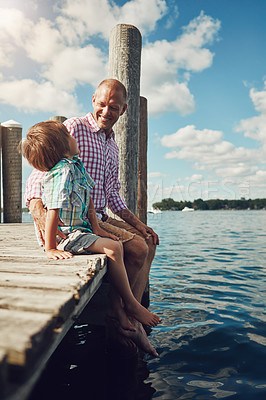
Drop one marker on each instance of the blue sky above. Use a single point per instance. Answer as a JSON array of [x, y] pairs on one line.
[[203, 73]]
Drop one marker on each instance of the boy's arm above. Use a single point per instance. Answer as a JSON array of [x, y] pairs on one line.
[[94, 223], [38, 213], [51, 227]]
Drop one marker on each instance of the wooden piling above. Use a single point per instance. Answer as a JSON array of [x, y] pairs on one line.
[[124, 65], [58, 118], [142, 175], [0, 172], [12, 171]]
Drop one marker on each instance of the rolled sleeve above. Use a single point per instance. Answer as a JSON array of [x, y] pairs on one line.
[[116, 203]]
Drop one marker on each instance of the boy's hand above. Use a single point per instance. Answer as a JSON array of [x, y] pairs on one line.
[[55, 254], [101, 232]]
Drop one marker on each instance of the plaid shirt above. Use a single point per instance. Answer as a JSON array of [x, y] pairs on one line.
[[67, 186], [100, 158]]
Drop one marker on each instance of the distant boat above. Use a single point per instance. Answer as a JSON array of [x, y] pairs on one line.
[[154, 211], [187, 209]]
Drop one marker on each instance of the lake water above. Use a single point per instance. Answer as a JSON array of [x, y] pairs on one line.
[[208, 283]]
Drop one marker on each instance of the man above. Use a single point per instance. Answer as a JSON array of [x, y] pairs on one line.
[[99, 153]]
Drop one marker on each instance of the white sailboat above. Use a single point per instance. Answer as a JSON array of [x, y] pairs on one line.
[[154, 211], [187, 209]]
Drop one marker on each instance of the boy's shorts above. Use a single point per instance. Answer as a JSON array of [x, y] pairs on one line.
[[77, 242]]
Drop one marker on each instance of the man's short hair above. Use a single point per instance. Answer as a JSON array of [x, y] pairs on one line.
[[46, 144], [114, 83]]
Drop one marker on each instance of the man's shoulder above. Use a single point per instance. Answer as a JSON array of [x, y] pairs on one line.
[[36, 175], [76, 122]]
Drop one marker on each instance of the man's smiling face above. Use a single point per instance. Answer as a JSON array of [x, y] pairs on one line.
[[108, 105]]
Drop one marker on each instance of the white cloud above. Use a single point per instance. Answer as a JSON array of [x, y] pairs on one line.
[[167, 97], [99, 17], [28, 95], [207, 149], [156, 175], [166, 66], [66, 58], [44, 42], [238, 170], [60, 47], [195, 177], [74, 66], [189, 136], [259, 178], [255, 127], [259, 99], [14, 26]]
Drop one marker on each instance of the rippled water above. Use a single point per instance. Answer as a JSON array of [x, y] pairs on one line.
[[208, 283]]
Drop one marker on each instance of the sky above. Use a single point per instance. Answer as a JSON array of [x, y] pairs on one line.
[[203, 72]]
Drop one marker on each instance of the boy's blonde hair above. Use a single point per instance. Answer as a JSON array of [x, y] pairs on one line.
[[46, 144]]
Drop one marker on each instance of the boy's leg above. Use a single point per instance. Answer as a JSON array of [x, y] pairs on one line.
[[119, 279], [138, 253]]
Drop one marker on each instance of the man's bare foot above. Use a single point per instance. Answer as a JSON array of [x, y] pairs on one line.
[[140, 313], [116, 333], [140, 338], [120, 315]]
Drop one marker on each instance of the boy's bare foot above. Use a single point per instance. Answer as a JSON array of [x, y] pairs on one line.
[[143, 315]]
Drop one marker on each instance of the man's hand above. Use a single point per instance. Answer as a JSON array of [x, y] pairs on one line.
[[103, 233], [38, 213], [147, 232], [131, 219]]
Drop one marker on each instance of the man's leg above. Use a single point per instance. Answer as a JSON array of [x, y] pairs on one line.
[[138, 271], [138, 256]]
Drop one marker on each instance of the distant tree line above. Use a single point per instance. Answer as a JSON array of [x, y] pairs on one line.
[[215, 204]]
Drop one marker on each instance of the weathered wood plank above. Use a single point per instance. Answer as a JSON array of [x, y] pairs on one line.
[[58, 303], [24, 335], [39, 301]]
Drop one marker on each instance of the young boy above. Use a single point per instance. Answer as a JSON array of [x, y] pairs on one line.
[[66, 195]]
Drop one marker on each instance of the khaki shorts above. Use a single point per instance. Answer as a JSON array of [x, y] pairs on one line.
[[122, 229]]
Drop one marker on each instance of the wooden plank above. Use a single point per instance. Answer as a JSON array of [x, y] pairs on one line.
[[22, 391], [39, 301], [58, 303], [19, 240], [24, 335]]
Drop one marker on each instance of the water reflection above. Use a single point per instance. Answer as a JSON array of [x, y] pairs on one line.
[[87, 366]]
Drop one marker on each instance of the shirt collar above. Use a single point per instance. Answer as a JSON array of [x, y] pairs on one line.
[[74, 160]]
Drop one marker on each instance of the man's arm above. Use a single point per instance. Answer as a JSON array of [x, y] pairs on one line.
[[96, 229], [131, 219]]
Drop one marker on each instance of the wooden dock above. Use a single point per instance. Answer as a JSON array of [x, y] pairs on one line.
[[39, 302]]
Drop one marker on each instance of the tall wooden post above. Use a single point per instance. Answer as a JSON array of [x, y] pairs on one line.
[[58, 118], [12, 171], [0, 172], [124, 65], [142, 176]]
